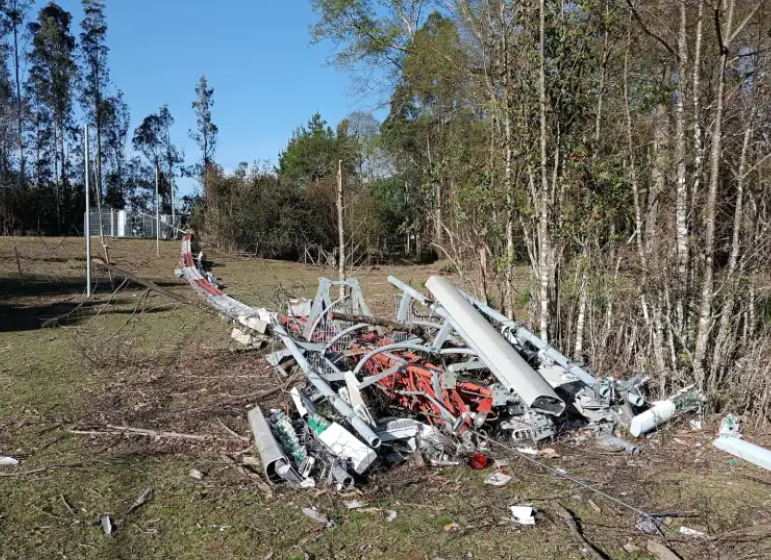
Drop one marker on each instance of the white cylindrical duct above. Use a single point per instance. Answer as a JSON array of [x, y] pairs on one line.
[[496, 353], [745, 450], [275, 463], [656, 415]]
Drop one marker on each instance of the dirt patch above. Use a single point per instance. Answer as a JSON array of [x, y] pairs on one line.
[[201, 395]]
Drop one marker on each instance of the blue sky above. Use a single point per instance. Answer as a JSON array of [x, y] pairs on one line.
[[268, 78]]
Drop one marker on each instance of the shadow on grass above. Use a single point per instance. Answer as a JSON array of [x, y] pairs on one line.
[[38, 301]]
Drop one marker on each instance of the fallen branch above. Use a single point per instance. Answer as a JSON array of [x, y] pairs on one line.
[[41, 469], [376, 321], [67, 504], [231, 432], [583, 543], [661, 552], [256, 397], [145, 497], [149, 284], [123, 430]]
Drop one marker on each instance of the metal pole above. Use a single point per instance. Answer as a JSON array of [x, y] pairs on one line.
[[88, 219], [173, 213], [157, 216]]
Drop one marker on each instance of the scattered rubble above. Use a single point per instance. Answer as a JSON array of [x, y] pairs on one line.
[[6, 461], [447, 374], [318, 517], [107, 525], [196, 474], [523, 514], [688, 532], [498, 478]]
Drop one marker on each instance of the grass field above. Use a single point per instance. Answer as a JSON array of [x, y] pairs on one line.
[[132, 358]]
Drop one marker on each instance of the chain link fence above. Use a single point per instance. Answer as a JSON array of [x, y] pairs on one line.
[[122, 223]]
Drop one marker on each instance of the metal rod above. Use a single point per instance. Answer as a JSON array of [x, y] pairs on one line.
[[388, 348], [364, 429], [88, 218], [376, 321], [524, 335], [157, 216], [341, 334]]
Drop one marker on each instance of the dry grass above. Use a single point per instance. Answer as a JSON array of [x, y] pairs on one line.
[[136, 359]]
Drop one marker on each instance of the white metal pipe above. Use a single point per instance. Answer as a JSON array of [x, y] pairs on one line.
[[157, 215], [659, 413], [750, 452], [87, 226], [502, 360], [273, 459], [524, 335], [363, 429], [686, 398]]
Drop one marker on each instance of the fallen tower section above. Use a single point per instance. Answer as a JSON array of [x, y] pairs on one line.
[[437, 382]]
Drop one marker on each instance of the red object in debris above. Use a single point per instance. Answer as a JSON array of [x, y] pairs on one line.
[[478, 462]]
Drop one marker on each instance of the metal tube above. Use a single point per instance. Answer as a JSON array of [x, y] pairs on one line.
[[663, 411], [272, 457], [341, 334], [416, 295], [499, 356], [553, 354], [157, 215], [341, 475], [388, 348], [88, 219], [449, 351], [524, 335], [655, 416], [364, 430], [745, 450]]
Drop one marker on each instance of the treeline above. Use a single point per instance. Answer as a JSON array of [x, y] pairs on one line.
[[618, 148], [51, 83], [289, 210]]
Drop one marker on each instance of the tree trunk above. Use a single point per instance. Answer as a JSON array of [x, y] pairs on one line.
[[659, 174], [603, 72], [710, 210], [57, 180], [681, 207], [582, 300], [639, 241], [98, 123], [19, 101], [340, 229], [733, 260], [508, 280], [543, 217], [438, 218]]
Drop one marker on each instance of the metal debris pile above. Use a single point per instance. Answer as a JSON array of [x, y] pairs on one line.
[[434, 383]]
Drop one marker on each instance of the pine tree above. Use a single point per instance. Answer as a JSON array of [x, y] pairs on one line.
[[52, 75], [96, 75], [205, 134]]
